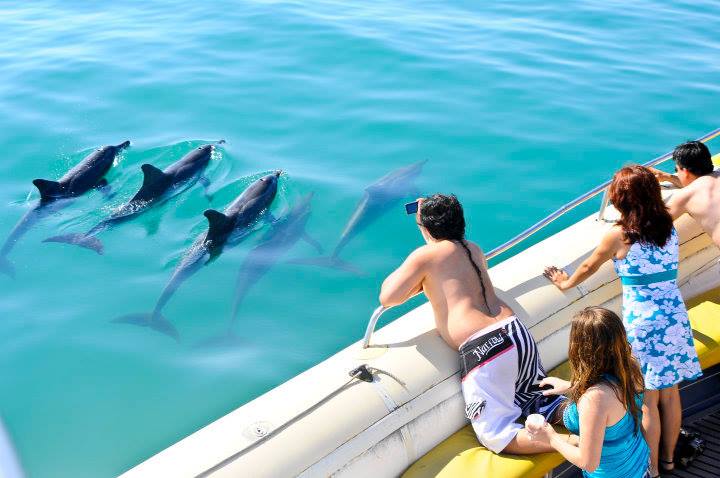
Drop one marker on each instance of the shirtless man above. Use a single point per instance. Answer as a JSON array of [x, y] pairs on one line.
[[699, 195], [499, 358]]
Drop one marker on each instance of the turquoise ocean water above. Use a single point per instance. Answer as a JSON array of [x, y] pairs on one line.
[[518, 107]]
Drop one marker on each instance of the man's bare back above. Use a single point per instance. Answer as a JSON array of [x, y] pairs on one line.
[[444, 272], [453, 287], [700, 199]]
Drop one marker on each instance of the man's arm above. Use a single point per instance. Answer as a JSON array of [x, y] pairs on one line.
[[406, 280], [677, 204], [662, 176]]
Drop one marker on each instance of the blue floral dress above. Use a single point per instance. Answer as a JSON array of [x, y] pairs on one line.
[[655, 316]]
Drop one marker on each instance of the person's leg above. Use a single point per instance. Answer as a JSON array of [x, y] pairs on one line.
[[532, 371], [651, 426], [671, 419], [522, 444]]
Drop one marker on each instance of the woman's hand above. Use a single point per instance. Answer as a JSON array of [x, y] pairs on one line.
[[557, 276], [559, 386], [543, 433]]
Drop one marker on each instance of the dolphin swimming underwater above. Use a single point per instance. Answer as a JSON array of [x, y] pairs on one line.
[[282, 235], [381, 196], [157, 187], [224, 228], [86, 175]]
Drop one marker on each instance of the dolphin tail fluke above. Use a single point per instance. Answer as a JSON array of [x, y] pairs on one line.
[[330, 262], [154, 321], [48, 189], [82, 240], [7, 267], [164, 326], [142, 320]]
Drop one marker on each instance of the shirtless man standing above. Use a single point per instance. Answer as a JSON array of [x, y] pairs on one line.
[[499, 358], [699, 195]]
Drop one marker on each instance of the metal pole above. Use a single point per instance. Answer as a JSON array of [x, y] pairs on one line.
[[603, 205], [371, 326]]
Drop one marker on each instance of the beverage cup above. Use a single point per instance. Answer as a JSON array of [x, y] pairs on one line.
[[534, 422]]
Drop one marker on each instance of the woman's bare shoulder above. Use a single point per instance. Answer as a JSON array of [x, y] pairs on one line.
[[616, 233], [598, 394], [614, 238]]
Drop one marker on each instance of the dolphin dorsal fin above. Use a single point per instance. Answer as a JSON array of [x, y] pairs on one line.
[[48, 189], [218, 222], [152, 175]]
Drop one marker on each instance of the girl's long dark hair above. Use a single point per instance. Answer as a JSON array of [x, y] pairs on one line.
[[600, 352], [635, 193], [444, 219]]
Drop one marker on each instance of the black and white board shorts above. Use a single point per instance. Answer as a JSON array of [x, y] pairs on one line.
[[499, 365]]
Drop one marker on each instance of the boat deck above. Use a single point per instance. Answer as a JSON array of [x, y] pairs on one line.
[[707, 464]]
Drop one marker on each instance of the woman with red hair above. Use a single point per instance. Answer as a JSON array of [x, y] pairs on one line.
[[643, 245]]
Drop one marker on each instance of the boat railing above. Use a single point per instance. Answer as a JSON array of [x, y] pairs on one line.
[[602, 188]]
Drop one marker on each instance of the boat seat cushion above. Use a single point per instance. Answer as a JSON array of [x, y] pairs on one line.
[[705, 321], [462, 455]]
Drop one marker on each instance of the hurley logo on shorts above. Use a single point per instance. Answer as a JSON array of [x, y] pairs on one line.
[[483, 349]]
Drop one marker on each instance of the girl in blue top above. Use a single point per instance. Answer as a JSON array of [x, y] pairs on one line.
[[604, 406]]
